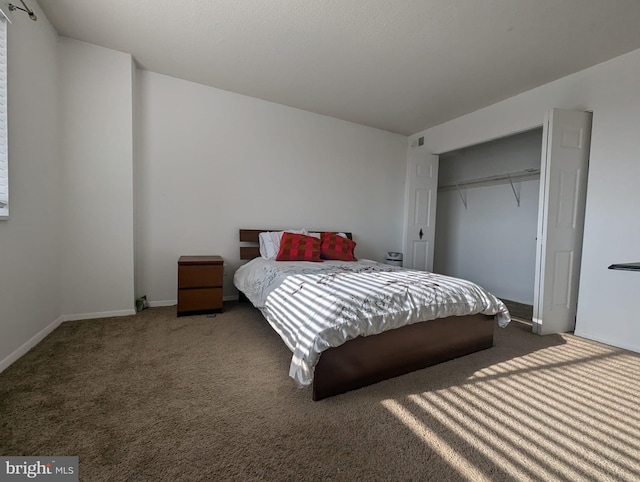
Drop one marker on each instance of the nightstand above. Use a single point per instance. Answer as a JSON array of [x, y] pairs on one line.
[[199, 284]]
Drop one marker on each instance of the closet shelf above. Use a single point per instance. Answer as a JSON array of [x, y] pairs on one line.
[[510, 178], [490, 180]]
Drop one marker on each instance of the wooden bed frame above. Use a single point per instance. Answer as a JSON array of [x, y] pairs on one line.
[[367, 360]]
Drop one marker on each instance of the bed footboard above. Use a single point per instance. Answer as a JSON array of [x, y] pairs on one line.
[[367, 360]]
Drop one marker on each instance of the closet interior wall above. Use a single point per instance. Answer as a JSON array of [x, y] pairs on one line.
[[491, 240]]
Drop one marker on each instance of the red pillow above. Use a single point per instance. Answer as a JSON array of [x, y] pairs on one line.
[[334, 246], [298, 247]]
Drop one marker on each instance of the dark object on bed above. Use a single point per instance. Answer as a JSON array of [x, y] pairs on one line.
[[367, 360]]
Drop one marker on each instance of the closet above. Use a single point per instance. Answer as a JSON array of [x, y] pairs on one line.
[[487, 214], [509, 215]]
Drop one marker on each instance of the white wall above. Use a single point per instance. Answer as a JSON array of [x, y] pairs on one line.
[[96, 95], [210, 162], [30, 241], [607, 307], [473, 243]]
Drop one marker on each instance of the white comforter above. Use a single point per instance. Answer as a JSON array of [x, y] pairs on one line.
[[315, 306]]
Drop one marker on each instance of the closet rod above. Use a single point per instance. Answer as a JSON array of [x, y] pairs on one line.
[[508, 177], [490, 181]]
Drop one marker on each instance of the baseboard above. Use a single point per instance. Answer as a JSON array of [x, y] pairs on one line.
[[102, 314], [155, 304], [33, 341], [606, 341]]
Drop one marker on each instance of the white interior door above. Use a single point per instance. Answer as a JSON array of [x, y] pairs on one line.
[[566, 139], [420, 215]]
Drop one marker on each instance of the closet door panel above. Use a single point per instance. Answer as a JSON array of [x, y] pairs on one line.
[[420, 226], [563, 187]]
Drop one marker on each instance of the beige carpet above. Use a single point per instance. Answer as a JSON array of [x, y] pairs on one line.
[[155, 397]]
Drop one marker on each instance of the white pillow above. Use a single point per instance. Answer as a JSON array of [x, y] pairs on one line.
[[270, 242]]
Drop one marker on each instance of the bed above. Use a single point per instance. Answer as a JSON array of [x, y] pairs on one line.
[[351, 324]]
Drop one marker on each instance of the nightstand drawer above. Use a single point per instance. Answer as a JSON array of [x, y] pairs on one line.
[[199, 299], [200, 276]]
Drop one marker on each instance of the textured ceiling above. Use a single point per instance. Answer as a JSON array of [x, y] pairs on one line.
[[398, 65]]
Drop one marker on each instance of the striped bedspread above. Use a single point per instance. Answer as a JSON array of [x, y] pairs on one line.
[[316, 306]]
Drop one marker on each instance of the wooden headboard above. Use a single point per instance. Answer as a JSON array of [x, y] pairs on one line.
[[250, 237]]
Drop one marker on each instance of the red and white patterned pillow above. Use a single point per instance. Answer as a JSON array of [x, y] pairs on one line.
[[334, 246], [298, 247]]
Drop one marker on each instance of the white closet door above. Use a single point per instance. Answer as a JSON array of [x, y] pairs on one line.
[[420, 215], [563, 186]]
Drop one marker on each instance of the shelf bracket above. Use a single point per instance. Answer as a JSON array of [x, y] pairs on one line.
[[463, 197], [515, 194]]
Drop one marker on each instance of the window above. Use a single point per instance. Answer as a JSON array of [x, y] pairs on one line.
[[4, 164]]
